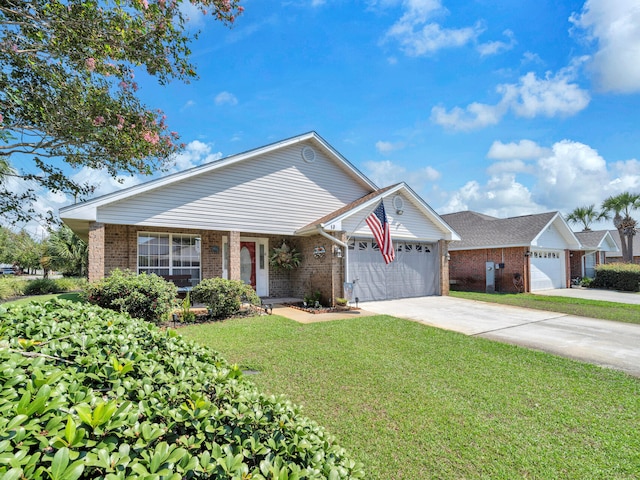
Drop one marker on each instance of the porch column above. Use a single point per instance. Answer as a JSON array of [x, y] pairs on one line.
[[443, 246], [96, 251], [234, 255]]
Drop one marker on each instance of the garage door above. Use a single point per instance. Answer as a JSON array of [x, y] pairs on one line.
[[547, 269], [414, 273]]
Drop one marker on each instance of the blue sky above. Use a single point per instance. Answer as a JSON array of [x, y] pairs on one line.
[[502, 107]]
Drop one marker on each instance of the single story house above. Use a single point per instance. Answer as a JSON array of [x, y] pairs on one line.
[[596, 245], [517, 254], [224, 219], [616, 256]]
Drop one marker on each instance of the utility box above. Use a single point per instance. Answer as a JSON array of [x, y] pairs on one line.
[[490, 273]]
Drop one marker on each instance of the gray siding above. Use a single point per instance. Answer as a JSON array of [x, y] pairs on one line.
[[275, 193]]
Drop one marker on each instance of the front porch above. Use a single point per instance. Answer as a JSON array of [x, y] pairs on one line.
[[202, 254]]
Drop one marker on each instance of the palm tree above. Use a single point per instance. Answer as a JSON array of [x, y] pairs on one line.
[[66, 252], [586, 216], [622, 205]]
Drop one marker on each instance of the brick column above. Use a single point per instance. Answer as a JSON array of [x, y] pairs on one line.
[[96, 251], [234, 255], [337, 268], [443, 247]]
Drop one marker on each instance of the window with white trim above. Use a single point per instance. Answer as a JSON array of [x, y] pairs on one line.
[[169, 254]]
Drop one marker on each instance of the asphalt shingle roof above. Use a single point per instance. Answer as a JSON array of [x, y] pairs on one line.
[[591, 239], [483, 231]]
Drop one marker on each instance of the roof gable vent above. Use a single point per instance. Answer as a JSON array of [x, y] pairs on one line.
[[308, 154]]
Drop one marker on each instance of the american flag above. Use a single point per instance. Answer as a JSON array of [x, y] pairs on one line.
[[379, 226]]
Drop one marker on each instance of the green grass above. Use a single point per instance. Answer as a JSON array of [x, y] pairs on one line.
[[415, 402], [620, 312], [73, 296]]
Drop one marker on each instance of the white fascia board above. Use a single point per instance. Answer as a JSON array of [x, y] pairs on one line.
[[449, 233], [608, 244], [563, 228], [87, 210]]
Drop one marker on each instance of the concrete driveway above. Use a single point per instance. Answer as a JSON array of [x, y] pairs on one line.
[[610, 344]]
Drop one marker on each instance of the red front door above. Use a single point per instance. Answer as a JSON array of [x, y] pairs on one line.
[[248, 263]]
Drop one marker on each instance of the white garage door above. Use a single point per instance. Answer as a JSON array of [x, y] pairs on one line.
[[414, 273], [547, 269]]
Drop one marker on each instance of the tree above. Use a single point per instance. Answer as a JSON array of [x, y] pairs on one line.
[[622, 205], [67, 88], [586, 216], [66, 252]]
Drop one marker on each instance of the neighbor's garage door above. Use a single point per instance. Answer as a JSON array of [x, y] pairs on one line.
[[414, 273], [547, 269]]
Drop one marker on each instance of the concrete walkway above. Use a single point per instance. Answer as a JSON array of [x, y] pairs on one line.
[[610, 344]]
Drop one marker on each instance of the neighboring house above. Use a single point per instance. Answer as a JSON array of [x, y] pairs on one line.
[[514, 254], [223, 219], [596, 244], [613, 257]]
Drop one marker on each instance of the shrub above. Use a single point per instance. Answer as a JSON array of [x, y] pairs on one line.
[[69, 284], [618, 276], [224, 297], [41, 286], [11, 286], [148, 297], [90, 393]]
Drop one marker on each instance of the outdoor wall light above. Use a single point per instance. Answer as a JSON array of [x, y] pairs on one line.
[[337, 251]]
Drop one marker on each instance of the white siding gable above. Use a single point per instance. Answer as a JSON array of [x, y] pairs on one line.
[[550, 238], [411, 225], [277, 192]]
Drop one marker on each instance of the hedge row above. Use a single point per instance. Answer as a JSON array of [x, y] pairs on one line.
[[91, 393], [617, 276], [14, 286]]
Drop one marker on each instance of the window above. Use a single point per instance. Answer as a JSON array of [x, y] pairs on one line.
[[169, 254]]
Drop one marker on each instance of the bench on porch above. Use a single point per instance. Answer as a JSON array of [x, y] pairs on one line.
[[183, 282]]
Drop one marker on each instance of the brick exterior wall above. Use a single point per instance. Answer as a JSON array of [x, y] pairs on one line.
[[467, 268], [97, 251], [324, 274], [443, 248], [116, 246]]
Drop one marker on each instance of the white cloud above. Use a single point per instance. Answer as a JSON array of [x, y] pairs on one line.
[[188, 104], [195, 153], [615, 26], [551, 96], [388, 173], [226, 98], [418, 36], [494, 48], [529, 178], [524, 149], [388, 147], [501, 196], [474, 116]]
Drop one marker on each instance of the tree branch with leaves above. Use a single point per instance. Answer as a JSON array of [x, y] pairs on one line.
[[68, 88]]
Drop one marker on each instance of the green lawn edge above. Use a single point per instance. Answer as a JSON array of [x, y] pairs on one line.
[[620, 312]]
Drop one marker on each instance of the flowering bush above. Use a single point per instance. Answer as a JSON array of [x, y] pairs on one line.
[[149, 297]]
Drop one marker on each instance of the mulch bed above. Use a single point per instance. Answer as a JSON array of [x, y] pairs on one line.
[[337, 308]]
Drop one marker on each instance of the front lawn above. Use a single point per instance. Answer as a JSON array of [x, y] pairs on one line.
[[73, 296], [621, 312], [415, 402]]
